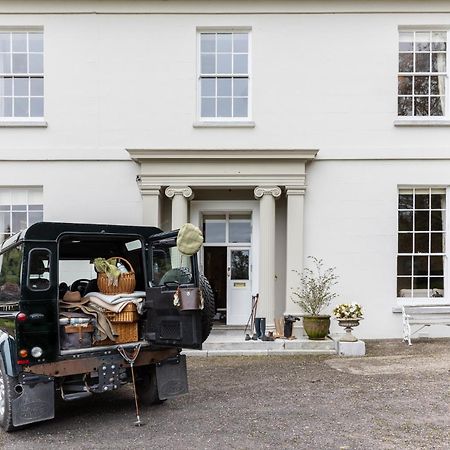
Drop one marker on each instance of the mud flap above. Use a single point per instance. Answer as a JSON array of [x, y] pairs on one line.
[[171, 377], [34, 404]]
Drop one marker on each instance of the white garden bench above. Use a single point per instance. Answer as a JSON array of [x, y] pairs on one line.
[[424, 316]]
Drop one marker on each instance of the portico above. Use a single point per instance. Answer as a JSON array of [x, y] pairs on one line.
[[170, 180]]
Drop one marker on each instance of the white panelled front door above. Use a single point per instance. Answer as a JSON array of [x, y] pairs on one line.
[[239, 288]]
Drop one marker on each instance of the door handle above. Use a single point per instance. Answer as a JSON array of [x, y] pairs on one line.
[[228, 272]]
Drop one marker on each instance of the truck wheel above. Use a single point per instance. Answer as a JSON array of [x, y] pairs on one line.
[[146, 386], [209, 308], [7, 395]]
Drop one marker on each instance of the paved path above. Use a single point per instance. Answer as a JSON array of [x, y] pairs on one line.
[[397, 397]]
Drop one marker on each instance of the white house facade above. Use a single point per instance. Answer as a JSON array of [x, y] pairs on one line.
[[283, 129]]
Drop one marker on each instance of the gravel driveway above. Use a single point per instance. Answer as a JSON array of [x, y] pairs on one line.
[[397, 397]]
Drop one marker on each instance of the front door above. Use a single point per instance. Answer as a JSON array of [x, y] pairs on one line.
[[239, 291]]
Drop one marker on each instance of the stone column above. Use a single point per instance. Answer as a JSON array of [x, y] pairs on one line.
[[266, 303], [294, 243], [151, 206], [180, 196]]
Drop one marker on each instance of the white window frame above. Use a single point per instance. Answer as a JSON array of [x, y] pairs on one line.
[[427, 300], [443, 120], [35, 120], [236, 121]]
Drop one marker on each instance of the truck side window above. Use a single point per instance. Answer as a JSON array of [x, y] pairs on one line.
[[170, 266], [10, 262], [39, 270]]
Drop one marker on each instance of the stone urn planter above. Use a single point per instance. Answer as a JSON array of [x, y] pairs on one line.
[[349, 324], [316, 327]]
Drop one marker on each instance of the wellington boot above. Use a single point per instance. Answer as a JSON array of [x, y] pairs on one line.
[[262, 328], [258, 327]]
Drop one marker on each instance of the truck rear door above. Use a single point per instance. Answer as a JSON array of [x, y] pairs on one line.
[[168, 269]]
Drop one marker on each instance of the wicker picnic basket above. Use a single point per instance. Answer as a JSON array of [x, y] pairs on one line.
[[126, 282], [127, 315]]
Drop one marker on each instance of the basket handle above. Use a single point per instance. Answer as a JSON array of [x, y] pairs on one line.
[[124, 260]]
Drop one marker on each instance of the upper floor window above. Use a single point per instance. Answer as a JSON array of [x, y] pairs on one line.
[[422, 73], [421, 242], [19, 208], [224, 75], [21, 74]]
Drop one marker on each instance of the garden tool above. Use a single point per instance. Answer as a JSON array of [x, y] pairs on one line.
[[251, 319]]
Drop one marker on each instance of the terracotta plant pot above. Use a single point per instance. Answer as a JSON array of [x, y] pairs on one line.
[[316, 327]]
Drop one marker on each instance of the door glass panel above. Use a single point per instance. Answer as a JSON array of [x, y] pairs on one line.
[[239, 260], [240, 228]]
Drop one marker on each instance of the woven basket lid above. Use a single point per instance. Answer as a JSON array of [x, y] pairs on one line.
[[189, 239]]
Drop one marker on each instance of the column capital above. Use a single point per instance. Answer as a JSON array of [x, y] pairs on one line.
[[185, 191], [259, 191], [295, 190], [148, 189]]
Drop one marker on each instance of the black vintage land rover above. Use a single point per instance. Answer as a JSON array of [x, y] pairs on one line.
[[39, 269]]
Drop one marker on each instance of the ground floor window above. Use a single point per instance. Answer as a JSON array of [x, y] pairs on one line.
[[19, 208], [421, 242]]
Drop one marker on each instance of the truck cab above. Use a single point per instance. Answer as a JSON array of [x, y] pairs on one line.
[[59, 335]]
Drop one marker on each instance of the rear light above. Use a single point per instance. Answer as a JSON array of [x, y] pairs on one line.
[[36, 352], [23, 353], [23, 361], [21, 317]]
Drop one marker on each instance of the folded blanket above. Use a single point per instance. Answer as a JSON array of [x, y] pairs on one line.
[[119, 304], [112, 299]]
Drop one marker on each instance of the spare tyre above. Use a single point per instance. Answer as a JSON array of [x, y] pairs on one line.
[[209, 308]]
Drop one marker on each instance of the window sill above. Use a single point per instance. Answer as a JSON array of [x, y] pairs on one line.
[[421, 123], [224, 124], [23, 124]]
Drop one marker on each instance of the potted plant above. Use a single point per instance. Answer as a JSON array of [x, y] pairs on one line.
[[348, 316], [315, 293]]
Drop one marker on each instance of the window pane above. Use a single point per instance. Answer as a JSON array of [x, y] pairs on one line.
[[5, 106], [405, 201], [422, 244], [214, 230], [208, 87], [406, 42], [208, 42], [405, 106], [36, 42], [20, 63], [224, 63], [420, 265], [240, 107], [405, 221], [223, 107], [437, 242], [36, 63], [420, 283], [439, 39], [224, 42], [35, 216], [438, 201], [422, 62], [5, 225], [421, 106], [240, 230], [6, 86], [437, 220], [404, 265], [405, 243], [5, 63], [437, 86], [422, 220], [421, 85], [21, 107], [19, 42], [239, 260], [404, 287], [240, 42], [422, 201], [240, 87], [5, 42], [208, 107], [240, 63], [405, 85], [37, 86], [423, 41], [405, 63], [436, 265], [224, 87], [208, 63], [37, 107], [438, 62], [21, 87], [19, 221], [437, 283], [437, 106]]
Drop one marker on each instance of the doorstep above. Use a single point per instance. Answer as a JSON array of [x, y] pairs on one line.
[[230, 341]]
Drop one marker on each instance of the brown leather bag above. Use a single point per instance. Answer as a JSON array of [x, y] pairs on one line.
[[189, 298]]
